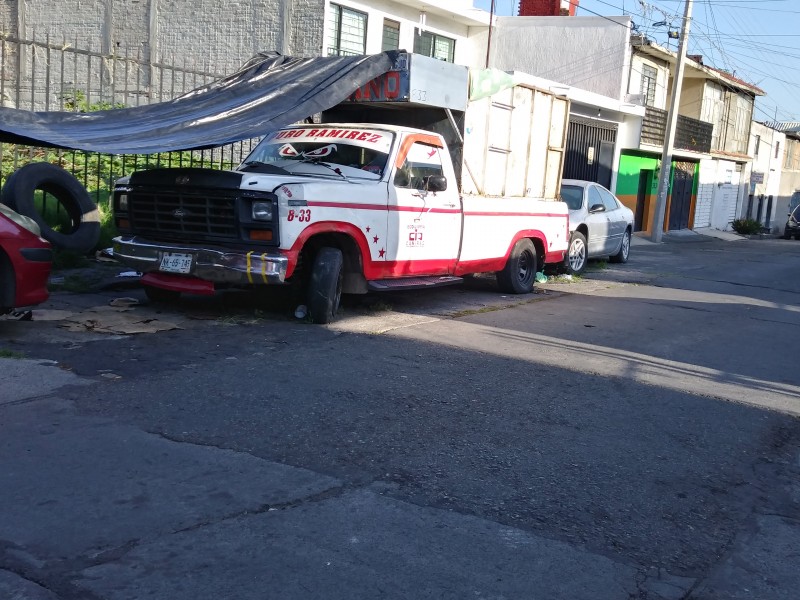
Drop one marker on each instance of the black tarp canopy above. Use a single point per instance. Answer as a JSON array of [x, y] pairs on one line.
[[268, 92]]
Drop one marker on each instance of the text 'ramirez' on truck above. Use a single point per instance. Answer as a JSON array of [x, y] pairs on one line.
[[416, 181]]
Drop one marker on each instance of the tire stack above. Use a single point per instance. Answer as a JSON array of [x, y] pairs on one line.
[[19, 193]]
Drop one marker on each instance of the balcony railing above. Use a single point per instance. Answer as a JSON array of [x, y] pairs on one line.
[[690, 134]]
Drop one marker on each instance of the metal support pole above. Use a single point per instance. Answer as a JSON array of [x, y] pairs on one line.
[[669, 137], [489, 39]]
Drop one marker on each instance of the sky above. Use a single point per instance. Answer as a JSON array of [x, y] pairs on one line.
[[755, 40]]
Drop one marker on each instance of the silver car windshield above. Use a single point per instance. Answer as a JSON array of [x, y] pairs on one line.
[[573, 196]]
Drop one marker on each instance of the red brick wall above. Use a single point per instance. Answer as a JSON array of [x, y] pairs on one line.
[[544, 8]]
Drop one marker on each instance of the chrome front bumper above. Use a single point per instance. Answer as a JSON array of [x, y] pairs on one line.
[[219, 266]]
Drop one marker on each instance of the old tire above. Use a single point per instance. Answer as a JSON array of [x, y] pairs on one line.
[[158, 295], [519, 274], [19, 193], [325, 285], [577, 254], [624, 249]]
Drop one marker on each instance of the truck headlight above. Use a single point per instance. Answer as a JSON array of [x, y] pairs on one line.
[[262, 211], [122, 202]]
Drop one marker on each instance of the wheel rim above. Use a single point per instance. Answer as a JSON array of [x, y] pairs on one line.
[[525, 266], [626, 245], [577, 254]]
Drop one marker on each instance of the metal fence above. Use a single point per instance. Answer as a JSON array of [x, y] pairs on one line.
[[45, 75]]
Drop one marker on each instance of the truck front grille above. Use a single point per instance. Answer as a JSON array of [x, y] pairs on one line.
[[186, 214]]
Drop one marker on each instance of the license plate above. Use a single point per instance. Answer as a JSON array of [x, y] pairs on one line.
[[175, 262]]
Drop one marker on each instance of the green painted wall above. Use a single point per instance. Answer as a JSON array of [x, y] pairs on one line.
[[631, 164]]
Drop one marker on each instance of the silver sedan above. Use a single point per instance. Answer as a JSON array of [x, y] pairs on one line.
[[600, 225]]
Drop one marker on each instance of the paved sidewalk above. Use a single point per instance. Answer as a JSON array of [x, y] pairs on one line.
[[703, 234]]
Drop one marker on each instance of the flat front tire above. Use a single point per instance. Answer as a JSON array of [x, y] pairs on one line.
[[577, 254], [325, 285], [519, 274]]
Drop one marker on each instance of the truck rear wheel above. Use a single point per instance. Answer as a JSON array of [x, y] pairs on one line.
[[325, 285], [519, 274]]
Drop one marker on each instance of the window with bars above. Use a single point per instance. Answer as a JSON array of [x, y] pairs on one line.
[[391, 35], [434, 45], [648, 89], [347, 31]]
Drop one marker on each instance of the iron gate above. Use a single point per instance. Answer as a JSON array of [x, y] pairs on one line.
[[590, 150]]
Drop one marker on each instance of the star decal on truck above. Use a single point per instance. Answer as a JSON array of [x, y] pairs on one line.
[[381, 252], [375, 239]]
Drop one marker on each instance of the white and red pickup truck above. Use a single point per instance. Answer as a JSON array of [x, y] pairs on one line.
[[361, 206]]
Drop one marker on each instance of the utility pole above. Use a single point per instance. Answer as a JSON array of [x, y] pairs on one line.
[[669, 136]]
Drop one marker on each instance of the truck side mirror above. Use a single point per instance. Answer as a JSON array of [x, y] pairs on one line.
[[435, 183]]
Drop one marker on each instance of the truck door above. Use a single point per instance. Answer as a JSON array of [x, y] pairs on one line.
[[424, 226]]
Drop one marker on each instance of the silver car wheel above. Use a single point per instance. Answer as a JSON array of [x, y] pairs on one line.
[[577, 254], [626, 246], [624, 249]]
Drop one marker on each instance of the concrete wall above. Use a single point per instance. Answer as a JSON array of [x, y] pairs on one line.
[[219, 35], [590, 53], [692, 98]]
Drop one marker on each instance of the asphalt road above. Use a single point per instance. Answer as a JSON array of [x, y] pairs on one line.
[[630, 434]]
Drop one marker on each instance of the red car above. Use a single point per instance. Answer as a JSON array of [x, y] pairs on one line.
[[25, 261]]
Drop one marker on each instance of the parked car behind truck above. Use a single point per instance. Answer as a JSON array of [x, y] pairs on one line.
[[600, 225], [375, 204]]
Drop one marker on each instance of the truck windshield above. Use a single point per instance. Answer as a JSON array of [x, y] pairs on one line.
[[354, 153]]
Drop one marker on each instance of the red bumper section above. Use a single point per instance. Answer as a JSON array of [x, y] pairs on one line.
[[179, 283]]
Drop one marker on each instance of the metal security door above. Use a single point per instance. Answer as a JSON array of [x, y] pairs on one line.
[[645, 184], [681, 200], [590, 150]]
